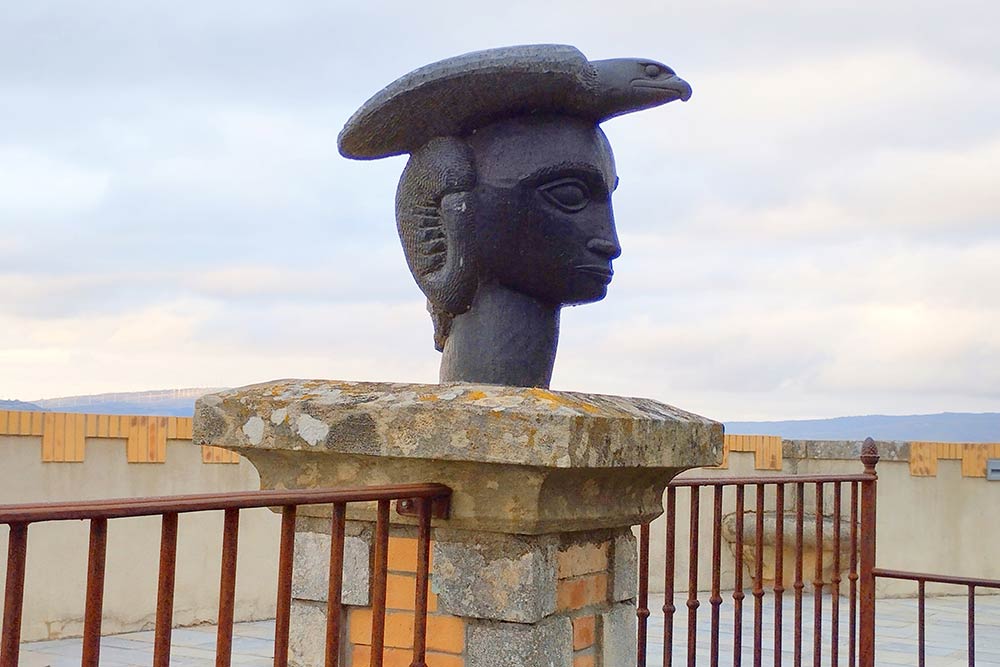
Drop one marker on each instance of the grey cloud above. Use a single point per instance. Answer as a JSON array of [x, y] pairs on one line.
[[814, 233]]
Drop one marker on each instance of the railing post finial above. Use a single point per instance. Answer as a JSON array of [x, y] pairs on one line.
[[869, 455]]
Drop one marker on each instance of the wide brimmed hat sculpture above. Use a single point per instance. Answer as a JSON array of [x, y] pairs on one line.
[[504, 207]]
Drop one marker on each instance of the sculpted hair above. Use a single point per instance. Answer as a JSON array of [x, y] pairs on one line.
[[434, 219]]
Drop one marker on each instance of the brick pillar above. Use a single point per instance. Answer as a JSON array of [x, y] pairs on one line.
[[536, 564]]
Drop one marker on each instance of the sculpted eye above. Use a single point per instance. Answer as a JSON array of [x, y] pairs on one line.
[[568, 194], [652, 71]]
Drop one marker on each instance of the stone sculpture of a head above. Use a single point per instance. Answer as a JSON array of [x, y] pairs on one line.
[[504, 207]]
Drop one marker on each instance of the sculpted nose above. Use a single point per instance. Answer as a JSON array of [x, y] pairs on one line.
[[604, 248]]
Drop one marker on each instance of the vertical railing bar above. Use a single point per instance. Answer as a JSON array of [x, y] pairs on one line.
[[336, 584], [93, 613], [835, 581], [13, 603], [692, 602], [642, 606], [866, 581], [283, 604], [669, 563], [818, 582], [798, 585], [758, 585], [227, 588], [738, 580], [165, 590], [379, 581], [972, 625], [716, 598], [423, 582], [852, 576], [779, 566], [921, 620]]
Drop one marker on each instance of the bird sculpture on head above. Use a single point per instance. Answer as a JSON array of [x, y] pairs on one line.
[[504, 207]]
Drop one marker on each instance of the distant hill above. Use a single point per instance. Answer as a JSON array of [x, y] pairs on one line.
[[164, 402], [943, 427], [20, 405]]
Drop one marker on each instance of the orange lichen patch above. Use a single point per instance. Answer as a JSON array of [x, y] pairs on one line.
[[444, 633], [475, 395], [581, 559], [581, 592], [395, 657], [583, 632], [429, 398], [561, 401]]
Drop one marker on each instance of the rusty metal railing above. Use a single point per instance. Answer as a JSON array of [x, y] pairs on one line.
[[922, 579], [420, 500], [788, 502]]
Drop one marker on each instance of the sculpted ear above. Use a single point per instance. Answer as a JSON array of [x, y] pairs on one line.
[[435, 221], [456, 283]]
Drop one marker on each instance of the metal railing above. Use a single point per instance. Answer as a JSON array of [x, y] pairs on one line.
[[420, 500], [922, 580], [787, 493]]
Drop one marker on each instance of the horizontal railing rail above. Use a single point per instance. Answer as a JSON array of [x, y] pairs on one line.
[[419, 500], [922, 579], [768, 479]]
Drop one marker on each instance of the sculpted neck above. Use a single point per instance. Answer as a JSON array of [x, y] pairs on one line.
[[505, 338]]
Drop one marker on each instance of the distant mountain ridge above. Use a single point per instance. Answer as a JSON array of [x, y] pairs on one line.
[[160, 402], [942, 427], [20, 405]]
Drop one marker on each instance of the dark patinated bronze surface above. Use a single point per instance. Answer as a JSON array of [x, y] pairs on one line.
[[504, 208]]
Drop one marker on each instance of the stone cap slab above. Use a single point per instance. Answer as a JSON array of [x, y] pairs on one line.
[[458, 422]]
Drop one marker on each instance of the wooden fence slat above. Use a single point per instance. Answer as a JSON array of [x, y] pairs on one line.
[[974, 460], [923, 459], [48, 436]]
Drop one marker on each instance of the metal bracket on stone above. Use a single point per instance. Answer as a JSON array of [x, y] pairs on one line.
[[440, 507]]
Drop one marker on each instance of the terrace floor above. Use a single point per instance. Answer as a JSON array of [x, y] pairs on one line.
[[896, 637]]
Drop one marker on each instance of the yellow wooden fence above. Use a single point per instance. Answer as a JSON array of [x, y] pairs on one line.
[[64, 440], [64, 435]]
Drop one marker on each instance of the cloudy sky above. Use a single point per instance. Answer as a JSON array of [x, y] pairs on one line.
[[816, 233]]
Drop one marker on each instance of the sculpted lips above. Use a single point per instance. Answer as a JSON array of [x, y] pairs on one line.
[[603, 273]]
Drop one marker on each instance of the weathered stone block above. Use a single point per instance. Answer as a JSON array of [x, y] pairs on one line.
[[507, 578], [618, 633], [519, 460], [624, 567], [498, 644], [307, 634], [311, 571]]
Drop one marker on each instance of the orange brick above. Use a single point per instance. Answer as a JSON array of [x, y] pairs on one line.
[[584, 660], [581, 592], [398, 628], [401, 591], [446, 633], [396, 657], [582, 559], [583, 632], [403, 554]]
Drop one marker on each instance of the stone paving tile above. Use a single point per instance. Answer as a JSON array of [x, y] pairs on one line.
[[896, 637]]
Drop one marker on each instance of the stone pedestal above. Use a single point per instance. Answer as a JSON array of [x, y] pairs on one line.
[[536, 564]]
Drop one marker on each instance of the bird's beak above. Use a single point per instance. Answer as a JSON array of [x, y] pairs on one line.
[[675, 84]]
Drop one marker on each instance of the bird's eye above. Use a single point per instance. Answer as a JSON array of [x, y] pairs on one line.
[[652, 71], [568, 194]]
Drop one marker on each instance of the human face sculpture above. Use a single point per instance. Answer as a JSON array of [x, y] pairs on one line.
[[544, 223]]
